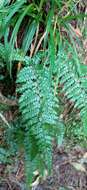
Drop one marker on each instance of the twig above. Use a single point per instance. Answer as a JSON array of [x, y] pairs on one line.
[[4, 120], [40, 41], [33, 47], [6, 180], [7, 101]]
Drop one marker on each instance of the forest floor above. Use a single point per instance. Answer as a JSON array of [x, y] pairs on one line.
[[69, 172]]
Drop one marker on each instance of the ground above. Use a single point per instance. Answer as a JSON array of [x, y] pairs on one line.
[[69, 172]]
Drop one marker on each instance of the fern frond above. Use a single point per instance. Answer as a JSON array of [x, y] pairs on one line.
[[38, 105], [72, 87]]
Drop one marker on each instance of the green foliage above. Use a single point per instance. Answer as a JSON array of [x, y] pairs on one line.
[[74, 89], [22, 19], [38, 104], [31, 36]]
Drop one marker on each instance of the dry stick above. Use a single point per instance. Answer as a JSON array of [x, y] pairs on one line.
[[85, 21], [19, 63], [55, 25], [7, 101], [33, 46], [40, 41], [4, 120], [65, 6]]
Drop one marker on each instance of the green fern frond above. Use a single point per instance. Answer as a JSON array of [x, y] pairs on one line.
[[38, 105], [72, 87]]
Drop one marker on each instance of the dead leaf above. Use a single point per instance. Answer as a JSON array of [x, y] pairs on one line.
[[36, 182], [78, 166], [84, 158], [85, 155], [77, 32]]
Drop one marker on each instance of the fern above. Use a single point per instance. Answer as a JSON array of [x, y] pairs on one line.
[[73, 88], [38, 105], [37, 83]]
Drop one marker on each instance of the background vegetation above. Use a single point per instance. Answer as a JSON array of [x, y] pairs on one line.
[[43, 79]]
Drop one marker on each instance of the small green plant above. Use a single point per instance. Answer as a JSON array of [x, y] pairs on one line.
[[38, 104]]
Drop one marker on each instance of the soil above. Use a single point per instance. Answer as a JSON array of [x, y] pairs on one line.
[[69, 172]]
